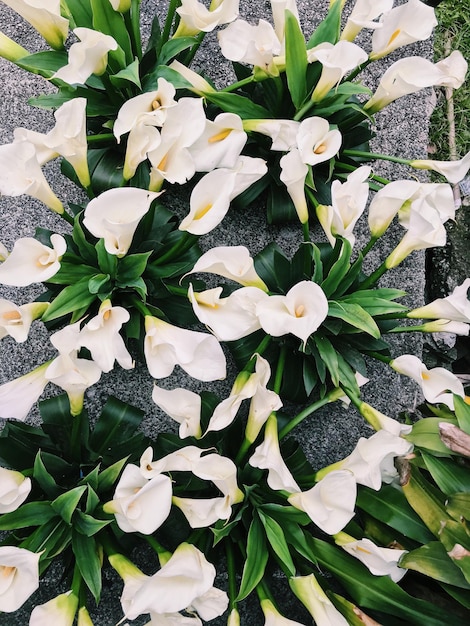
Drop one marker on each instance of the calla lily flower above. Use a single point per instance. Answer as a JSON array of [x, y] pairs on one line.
[[444, 326], [282, 132], [387, 202], [19, 574], [255, 45], [108, 216], [20, 173], [279, 8], [60, 610], [379, 561], [437, 384], [86, 57], [379, 421], [454, 171], [455, 307], [11, 50], [232, 262], [362, 16], [183, 406], [220, 144], [18, 396], [121, 5], [300, 312], [316, 142], [293, 174], [196, 18], [410, 22], [196, 82], [45, 17], [210, 605], [14, 489], [140, 504], [268, 456], [101, 336], [165, 346], [409, 75], [330, 503], [3, 252], [273, 617], [16, 321], [348, 202], [32, 262], [309, 592], [337, 61]]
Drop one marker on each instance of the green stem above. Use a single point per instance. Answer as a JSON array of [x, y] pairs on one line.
[[232, 573], [140, 306], [368, 247], [259, 350], [132, 21], [68, 218], [374, 277], [306, 232], [379, 357], [162, 553], [76, 581], [305, 109], [242, 452], [406, 329], [280, 369], [238, 84], [174, 4], [295, 421], [375, 156], [192, 53], [351, 168], [357, 71], [101, 137], [177, 291]]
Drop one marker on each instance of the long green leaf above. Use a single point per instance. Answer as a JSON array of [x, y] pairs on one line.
[[256, 559], [278, 543], [29, 514], [433, 561], [462, 412], [425, 434], [43, 63], [329, 356], [110, 22], [296, 60], [328, 29], [72, 297], [66, 503], [117, 423], [233, 103], [339, 269], [449, 476], [87, 558], [354, 315]]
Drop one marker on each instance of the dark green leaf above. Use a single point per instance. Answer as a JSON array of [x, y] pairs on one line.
[[296, 59], [45, 480], [66, 503], [80, 12], [108, 477], [277, 541], [100, 284], [462, 413], [433, 561], [449, 476], [233, 103], [87, 525], [328, 30], [131, 267], [256, 559], [458, 505], [425, 435], [107, 21], [339, 269], [107, 262], [44, 63], [354, 315], [328, 355], [88, 560], [173, 47], [29, 514], [130, 74], [118, 422]]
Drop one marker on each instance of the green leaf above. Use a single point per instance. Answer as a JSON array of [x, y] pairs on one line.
[[339, 269], [328, 355], [80, 12], [433, 561], [71, 273], [29, 514], [458, 505], [131, 268], [107, 173], [107, 21], [87, 525], [449, 476], [233, 103], [130, 74], [390, 506], [87, 558], [425, 435], [425, 500], [328, 30], [373, 305], [51, 538], [44, 63], [280, 208], [72, 297], [256, 559], [45, 480], [107, 262], [100, 284], [296, 59], [173, 47], [109, 476], [117, 423], [278, 543], [354, 315], [462, 413], [98, 103], [66, 503]]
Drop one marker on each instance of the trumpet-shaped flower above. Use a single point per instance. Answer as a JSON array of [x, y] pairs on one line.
[[165, 346], [74, 376], [409, 75], [363, 15], [455, 307], [272, 616], [337, 60], [380, 421], [220, 144], [101, 336], [410, 22], [282, 132], [183, 406], [86, 57], [16, 321], [445, 326], [454, 171], [20, 173], [186, 577], [140, 504], [121, 5], [196, 18], [19, 573], [60, 610], [45, 17], [348, 201], [32, 262], [232, 262], [255, 45], [109, 216], [293, 174], [268, 456], [379, 561], [437, 384], [330, 503], [14, 489], [18, 396], [11, 50], [300, 312], [316, 142], [279, 8], [196, 83], [309, 592], [387, 202]]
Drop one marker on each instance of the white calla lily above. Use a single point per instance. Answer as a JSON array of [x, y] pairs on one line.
[[19, 573], [363, 15], [387, 202], [11, 50], [279, 8], [14, 489], [300, 312], [45, 17], [232, 262], [20, 173], [220, 144], [196, 82], [309, 592], [108, 216], [404, 24], [18, 396], [293, 174], [379, 561], [210, 604], [255, 45], [282, 132], [86, 57], [16, 321], [196, 18], [455, 307], [60, 610], [380, 421], [444, 326], [183, 406], [32, 262], [121, 5], [165, 346], [454, 171], [316, 142], [273, 617], [330, 503]]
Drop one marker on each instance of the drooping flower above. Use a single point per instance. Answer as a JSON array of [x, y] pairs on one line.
[[182, 405], [14, 489], [32, 262], [232, 262], [86, 57], [282, 132], [316, 142], [293, 174], [101, 336], [387, 202], [45, 17], [455, 307], [454, 171], [18, 395], [196, 18], [363, 15], [195, 81], [254, 45], [165, 346], [16, 321], [410, 22], [60, 610], [108, 216], [19, 573], [437, 384], [300, 312], [309, 592]]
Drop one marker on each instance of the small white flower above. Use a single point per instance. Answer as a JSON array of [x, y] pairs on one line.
[[455, 307], [379, 561], [18, 395], [232, 262], [32, 262], [14, 489]]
